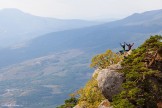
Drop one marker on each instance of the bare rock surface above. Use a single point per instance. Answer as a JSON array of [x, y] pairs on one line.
[[110, 80], [105, 104], [77, 106]]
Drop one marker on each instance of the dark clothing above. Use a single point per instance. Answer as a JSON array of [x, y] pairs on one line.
[[129, 46], [121, 51], [123, 46]]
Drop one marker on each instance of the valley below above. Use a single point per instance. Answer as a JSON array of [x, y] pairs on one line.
[[43, 81]]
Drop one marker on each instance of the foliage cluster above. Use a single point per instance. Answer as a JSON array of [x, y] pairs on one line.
[[87, 97], [142, 87], [102, 61], [90, 95], [69, 103]]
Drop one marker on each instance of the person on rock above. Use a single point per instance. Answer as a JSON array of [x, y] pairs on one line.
[[129, 46], [123, 46]]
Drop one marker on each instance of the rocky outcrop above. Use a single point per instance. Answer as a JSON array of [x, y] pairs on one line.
[[95, 72], [77, 106], [105, 104], [110, 80]]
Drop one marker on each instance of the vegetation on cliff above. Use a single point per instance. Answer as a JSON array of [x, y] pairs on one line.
[[69, 103], [142, 69], [142, 87], [90, 96], [102, 61]]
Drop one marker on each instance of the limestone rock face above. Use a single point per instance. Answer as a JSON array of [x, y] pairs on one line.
[[105, 104], [77, 106], [109, 81], [115, 66], [95, 72]]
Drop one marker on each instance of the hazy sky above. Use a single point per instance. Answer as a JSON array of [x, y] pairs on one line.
[[82, 9]]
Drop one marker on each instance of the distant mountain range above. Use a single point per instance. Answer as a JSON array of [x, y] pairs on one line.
[[56, 64], [17, 26], [135, 28]]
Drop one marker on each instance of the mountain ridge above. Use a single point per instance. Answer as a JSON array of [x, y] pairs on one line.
[[17, 26], [104, 35]]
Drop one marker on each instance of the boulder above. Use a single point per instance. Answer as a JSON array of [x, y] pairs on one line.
[[110, 80]]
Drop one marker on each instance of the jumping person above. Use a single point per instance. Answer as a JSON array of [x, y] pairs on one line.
[[129, 46], [123, 46]]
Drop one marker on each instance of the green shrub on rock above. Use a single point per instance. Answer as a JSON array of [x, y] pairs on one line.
[[106, 59], [90, 95], [69, 103]]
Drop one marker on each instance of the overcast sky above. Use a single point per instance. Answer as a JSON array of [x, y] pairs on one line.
[[82, 9]]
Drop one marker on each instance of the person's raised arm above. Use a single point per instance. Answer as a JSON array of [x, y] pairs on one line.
[[132, 44], [126, 44]]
